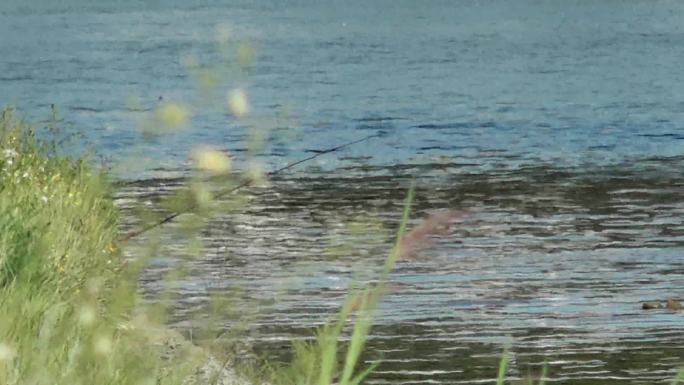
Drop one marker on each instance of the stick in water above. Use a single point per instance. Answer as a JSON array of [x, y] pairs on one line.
[[246, 183]]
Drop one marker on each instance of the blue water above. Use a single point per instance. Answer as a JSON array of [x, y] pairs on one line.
[[562, 82]]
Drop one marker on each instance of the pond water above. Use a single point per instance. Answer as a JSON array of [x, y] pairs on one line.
[[557, 125]]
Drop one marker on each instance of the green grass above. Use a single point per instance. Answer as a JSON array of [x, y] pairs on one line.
[[679, 378], [67, 297], [58, 224]]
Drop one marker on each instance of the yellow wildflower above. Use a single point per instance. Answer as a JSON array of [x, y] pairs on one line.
[[237, 101], [6, 352], [207, 159], [173, 115]]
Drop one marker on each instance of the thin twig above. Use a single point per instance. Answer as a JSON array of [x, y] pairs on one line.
[[245, 183]]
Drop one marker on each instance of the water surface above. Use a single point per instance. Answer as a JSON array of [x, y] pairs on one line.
[[543, 81], [551, 263]]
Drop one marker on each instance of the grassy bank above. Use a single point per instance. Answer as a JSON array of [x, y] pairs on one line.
[[67, 297]]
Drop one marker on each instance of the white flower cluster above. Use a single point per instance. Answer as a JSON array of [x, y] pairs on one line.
[[10, 154]]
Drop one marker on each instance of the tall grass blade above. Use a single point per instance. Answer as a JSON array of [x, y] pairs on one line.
[[544, 374], [503, 366], [358, 339], [361, 376]]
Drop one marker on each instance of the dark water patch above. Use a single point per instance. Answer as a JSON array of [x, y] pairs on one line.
[[668, 135], [442, 126], [379, 119], [87, 109], [15, 78]]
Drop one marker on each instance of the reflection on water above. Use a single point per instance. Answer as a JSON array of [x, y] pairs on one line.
[[551, 262]]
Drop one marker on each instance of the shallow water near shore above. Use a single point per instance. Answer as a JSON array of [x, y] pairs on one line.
[[552, 264]]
